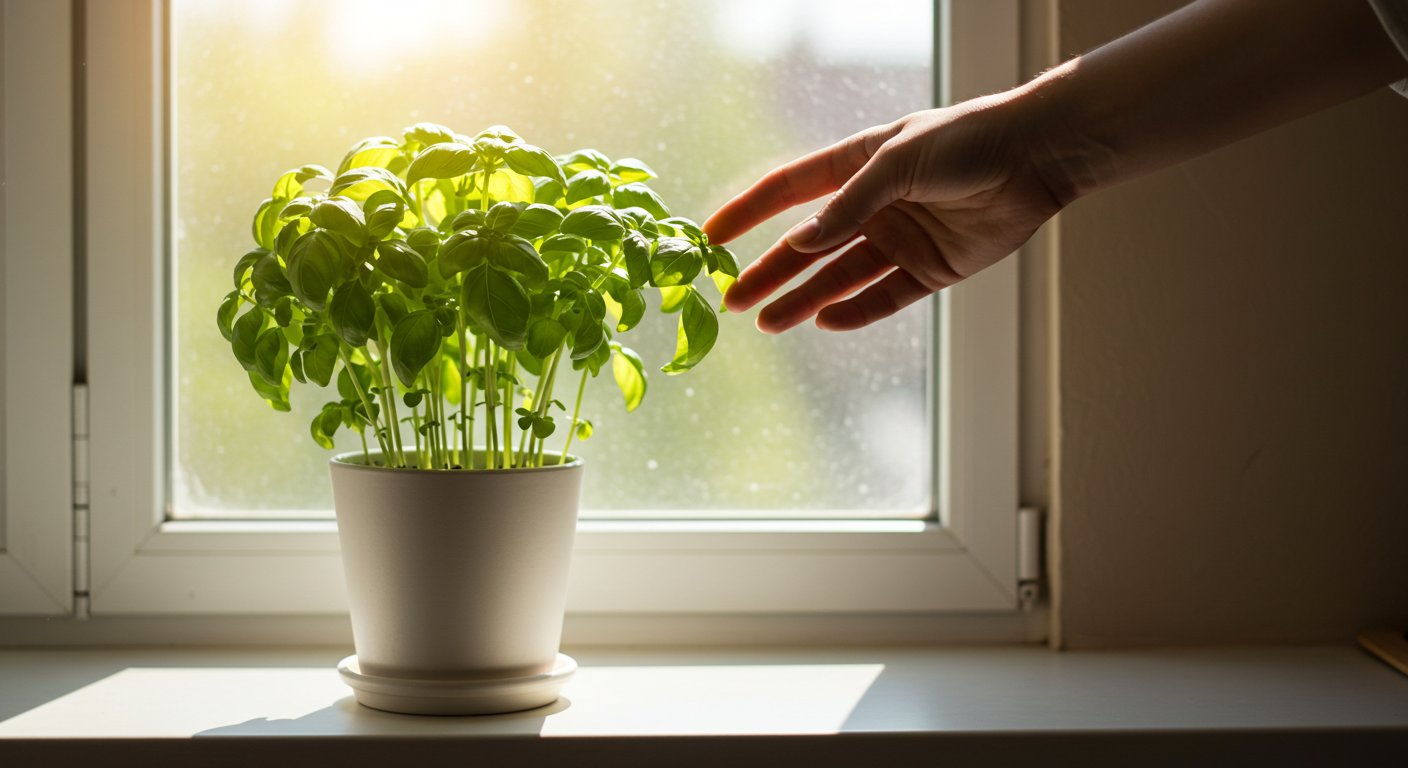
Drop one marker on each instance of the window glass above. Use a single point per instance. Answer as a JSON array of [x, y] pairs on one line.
[[711, 94]]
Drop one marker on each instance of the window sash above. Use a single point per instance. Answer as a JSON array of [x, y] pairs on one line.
[[143, 563], [36, 324]]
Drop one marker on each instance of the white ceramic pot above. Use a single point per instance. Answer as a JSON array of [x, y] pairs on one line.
[[456, 582]]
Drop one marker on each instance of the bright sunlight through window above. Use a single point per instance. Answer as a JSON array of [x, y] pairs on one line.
[[710, 94]]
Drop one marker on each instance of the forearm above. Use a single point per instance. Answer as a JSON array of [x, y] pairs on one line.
[[1203, 77]]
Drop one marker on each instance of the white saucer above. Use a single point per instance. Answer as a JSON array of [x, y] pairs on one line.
[[456, 697]]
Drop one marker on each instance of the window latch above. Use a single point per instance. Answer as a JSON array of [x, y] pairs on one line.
[[1029, 546]]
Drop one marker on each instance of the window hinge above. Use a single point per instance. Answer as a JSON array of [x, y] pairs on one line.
[[1029, 546], [80, 501]]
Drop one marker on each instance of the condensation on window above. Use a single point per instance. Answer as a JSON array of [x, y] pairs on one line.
[[711, 94]]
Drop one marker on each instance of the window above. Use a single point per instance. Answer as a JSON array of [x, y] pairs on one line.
[[832, 496], [810, 425]]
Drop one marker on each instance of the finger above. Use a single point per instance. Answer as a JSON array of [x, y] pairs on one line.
[[892, 293], [874, 186], [771, 271], [855, 268], [797, 182]]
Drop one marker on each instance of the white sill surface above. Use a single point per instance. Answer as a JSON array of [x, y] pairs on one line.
[[895, 698]]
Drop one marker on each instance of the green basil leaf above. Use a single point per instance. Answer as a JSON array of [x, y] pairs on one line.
[[383, 211], [496, 302], [526, 360], [244, 335], [637, 194], [276, 395], [636, 250], [594, 362], [345, 387], [537, 221], [727, 263], [269, 282], [352, 312], [463, 250], [515, 254], [543, 427], [503, 216], [568, 244], [682, 227], [266, 221], [289, 234], [472, 218], [629, 169], [632, 309], [723, 282], [414, 342], [245, 264], [532, 161], [544, 337], [672, 298], [394, 306], [629, 372], [587, 338], [427, 134], [342, 216], [225, 316], [379, 151], [425, 241], [587, 183], [283, 316], [491, 146], [271, 355], [445, 160], [314, 266], [290, 184], [360, 183], [401, 262], [583, 159], [641, 220], [295, 364], [299, 206], [698, 330], [502, 133], [320, 359], [593, 222], [676, 261], [547, 191], [315, 428]]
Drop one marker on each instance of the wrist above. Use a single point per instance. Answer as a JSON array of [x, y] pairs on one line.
[[1064, 152]]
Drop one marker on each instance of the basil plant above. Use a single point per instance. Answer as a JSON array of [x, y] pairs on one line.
[[445, 283]]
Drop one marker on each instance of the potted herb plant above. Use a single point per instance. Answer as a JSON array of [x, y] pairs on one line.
[[441, 286]]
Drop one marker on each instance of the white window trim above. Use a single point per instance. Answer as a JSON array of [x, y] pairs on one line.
[[143, 564], [36, 311]]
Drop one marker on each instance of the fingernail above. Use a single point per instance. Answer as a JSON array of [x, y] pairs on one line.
[[804, 233]]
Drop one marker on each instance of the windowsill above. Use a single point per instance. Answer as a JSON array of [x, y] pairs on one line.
[[708, 705]]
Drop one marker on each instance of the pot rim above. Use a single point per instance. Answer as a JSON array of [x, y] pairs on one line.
[[347, 458]]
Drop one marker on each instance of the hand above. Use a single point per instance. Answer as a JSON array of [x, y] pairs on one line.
[[919, 205]]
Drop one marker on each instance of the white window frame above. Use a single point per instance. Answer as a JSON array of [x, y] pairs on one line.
[[36, 310], [143, 564]]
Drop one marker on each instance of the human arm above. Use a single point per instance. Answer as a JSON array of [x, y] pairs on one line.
[[938, 195]]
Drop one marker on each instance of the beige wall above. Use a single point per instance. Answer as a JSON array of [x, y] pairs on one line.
[[1231, 412]]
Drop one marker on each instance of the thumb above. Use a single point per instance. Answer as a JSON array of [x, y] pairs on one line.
[[873, 187]]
